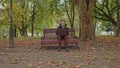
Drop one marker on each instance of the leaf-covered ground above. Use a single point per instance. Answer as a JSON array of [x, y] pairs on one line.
[[103, 53]]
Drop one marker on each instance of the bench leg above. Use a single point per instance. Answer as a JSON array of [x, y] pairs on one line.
[[40, 46], [76, 45]]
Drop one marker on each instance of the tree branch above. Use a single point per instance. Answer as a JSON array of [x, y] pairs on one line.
[[101, 18]]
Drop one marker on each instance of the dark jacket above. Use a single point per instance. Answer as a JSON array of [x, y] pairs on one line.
[[60, 27]]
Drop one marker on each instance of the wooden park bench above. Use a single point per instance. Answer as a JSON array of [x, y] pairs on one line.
[[50, 37]]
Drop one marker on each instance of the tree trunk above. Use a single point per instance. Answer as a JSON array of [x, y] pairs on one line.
[[32, 29], [11, 36], [23, 27], [26, 34], [15, 32], [23, 32], [33, 18], [118, 19], [86, 17], [71, 13]]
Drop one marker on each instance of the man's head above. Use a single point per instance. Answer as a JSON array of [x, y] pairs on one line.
[[62, 23]]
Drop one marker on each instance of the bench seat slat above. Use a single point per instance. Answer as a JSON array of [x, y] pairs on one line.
[[54, 41]]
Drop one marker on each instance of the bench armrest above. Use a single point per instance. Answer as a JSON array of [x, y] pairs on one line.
[[42, 37]]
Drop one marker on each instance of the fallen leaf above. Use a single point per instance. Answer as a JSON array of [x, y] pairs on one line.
[[14, 62], [63, 63], [106, 57], [2, 53], [93, 48], [57, 65], [105, 67], [39, 63], [78, 66], [30, 65], [24, 62]]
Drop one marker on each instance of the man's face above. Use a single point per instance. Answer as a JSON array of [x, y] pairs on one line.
[[62, 23]]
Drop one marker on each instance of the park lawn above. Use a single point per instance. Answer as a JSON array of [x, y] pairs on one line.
[[103, 53]]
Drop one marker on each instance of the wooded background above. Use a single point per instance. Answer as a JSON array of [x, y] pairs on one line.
[[88, 17]]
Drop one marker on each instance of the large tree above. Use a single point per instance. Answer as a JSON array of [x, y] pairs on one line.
[[86, 17]]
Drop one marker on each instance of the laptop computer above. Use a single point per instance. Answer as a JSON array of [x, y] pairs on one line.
[[62, 32]]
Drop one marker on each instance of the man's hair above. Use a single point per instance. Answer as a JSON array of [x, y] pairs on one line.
[[63, 20]]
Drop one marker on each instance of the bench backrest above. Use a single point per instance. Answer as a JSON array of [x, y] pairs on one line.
[[51, 33]]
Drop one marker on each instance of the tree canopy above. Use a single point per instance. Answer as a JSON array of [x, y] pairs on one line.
[[32, 16]]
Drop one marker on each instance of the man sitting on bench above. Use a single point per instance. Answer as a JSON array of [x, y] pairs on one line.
[[62, 33]]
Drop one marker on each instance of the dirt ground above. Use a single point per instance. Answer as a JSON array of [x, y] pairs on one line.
[[103, 54]]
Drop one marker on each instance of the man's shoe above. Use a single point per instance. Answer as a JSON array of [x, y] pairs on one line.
[[59, 49], [66, 49]]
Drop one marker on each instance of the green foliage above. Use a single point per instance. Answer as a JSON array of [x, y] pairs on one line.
[[48, 14], [106, 11], [107, 27]]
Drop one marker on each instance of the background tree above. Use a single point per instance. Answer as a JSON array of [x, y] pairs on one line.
[[32, 16], [11, 36], [70, 10], [118, 18], [108, 10]]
